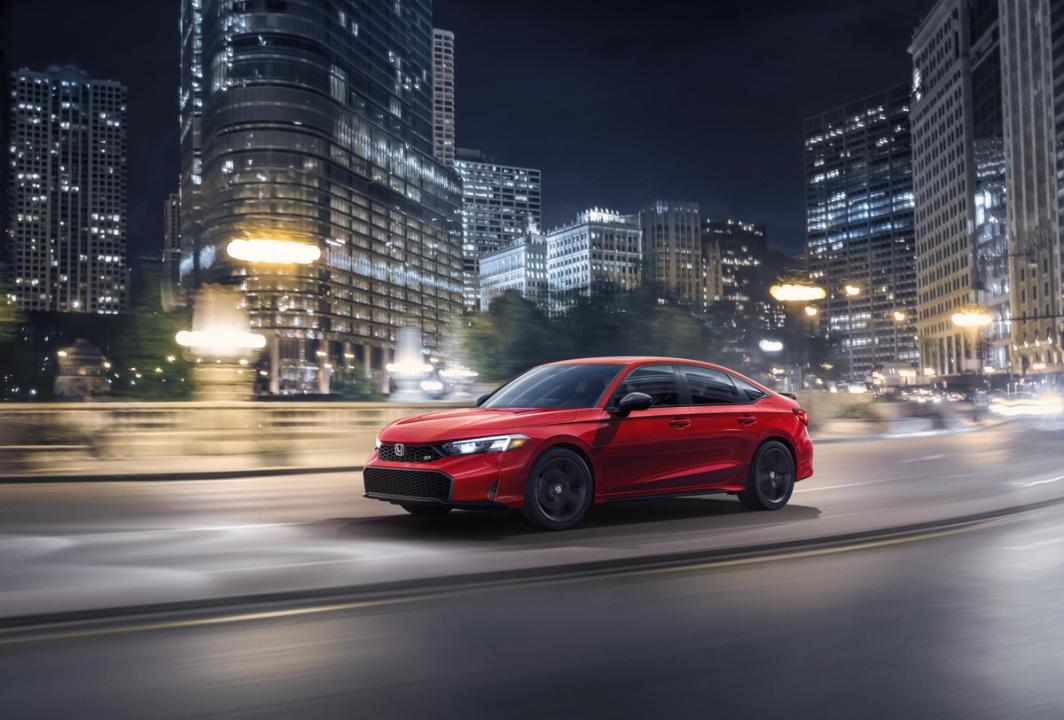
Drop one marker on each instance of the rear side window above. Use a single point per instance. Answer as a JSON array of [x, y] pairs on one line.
[[657, 381], [710, 387], [751, 392]]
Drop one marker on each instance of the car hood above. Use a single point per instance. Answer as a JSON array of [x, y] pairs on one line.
[[446, 425]]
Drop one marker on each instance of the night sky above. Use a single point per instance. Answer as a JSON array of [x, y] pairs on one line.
[[617, 102]]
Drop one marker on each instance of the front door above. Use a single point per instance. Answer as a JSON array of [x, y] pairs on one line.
[[648, 450]]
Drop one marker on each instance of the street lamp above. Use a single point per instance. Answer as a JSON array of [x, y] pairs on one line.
[[851, 291], [273, 252], [975, 318], [797, 292], [770, 346]]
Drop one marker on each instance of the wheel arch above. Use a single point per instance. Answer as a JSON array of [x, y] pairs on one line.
[[574, 446], [781, 439]]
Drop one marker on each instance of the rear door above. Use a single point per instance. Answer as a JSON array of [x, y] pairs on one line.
[[644, 452], [724, 427]]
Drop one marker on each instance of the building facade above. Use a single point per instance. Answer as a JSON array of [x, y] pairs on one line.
[[5, 126], [601, 250], [443, 96], [500, 203], [171, 255], [672, 249], [958, 185], [319, 193], [859, 211], [521, 267], [1032, 39], [190, 119], [67, 189]]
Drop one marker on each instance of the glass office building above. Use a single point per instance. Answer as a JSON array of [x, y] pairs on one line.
[[317, 149], [859, 208]]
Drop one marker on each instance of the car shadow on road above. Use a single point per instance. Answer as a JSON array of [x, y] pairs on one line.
[[616, 521]]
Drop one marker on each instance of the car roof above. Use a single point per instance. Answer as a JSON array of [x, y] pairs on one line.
[[632, 360]]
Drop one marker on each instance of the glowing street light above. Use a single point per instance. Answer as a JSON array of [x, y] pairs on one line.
[[852, 290], [900, 316], [811, 311], [797, 292], [273, 252], [220, 342], [770, 346], [972, 316]]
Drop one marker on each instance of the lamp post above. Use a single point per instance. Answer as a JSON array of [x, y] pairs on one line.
[[799, 292], [975, 318]]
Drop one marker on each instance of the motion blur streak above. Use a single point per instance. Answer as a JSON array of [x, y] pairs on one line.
[[957, 626]]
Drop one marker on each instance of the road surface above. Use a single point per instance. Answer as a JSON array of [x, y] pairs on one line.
[[965, 624], [75, 546]]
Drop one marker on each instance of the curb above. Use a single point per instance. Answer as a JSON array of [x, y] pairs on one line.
[[22, 626], [177, 476]]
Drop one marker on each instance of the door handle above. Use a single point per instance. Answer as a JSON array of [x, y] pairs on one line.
[[747, 419], [680, 423]]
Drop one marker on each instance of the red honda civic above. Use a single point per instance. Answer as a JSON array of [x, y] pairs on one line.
[[568, 434]]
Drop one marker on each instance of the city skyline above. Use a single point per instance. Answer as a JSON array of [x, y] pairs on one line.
[[759, 176]]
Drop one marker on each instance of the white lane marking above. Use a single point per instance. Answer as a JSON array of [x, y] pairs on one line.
[[1042, 482], [924, 458]]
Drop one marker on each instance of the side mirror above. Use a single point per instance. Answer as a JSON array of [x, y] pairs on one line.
[[632, 401], [482, 399]]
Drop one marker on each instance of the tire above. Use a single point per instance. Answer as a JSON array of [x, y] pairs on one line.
[[426, 510], [559, 490], [771, 479]]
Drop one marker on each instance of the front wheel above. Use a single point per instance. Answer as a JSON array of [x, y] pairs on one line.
[[771, 479], [426, 510], [559, 490]]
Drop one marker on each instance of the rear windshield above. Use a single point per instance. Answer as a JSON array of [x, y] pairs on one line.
[[556, 386]]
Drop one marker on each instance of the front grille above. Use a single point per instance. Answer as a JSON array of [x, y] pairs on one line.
[[407, 483], [411, 453]]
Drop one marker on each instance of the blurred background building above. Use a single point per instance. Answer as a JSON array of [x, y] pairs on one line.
[[500, 203], [316, 188], [171, 255], [522, 267], [601, 250], [443, 96], [67, 192], [958, 182], [672, 249], [859, 202], [1032, 72]]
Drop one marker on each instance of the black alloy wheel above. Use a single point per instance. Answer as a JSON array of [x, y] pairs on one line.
[[559, 490], [771, 480]]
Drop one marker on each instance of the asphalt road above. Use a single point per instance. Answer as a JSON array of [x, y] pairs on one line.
[[71, 546], [967, 624]]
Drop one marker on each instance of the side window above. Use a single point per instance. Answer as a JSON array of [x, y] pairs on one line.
[[710, 387], [657, 381], [752, 393]]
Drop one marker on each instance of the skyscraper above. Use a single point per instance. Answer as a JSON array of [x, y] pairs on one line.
[[5, 122], [171, 254], [1032, 40], [67, 185], [859, 208], [443, 95], [319, 192], [601, 250], [958, 184], [672, 249], [500, 203], [190, 117]]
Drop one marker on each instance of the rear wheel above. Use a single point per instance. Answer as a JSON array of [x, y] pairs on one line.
[[559, 490], [771, 480], [426, 510]]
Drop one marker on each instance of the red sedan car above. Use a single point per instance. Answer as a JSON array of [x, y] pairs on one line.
[[565, 435]]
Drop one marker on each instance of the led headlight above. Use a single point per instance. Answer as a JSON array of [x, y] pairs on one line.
[[377, 443], [494, 444]]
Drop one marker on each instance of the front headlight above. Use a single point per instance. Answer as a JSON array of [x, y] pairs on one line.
[[494, 444], [377, 443]]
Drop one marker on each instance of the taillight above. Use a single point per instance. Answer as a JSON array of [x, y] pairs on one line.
[[802, 415]]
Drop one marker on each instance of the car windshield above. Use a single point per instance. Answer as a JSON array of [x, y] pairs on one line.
[[556, 386]]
